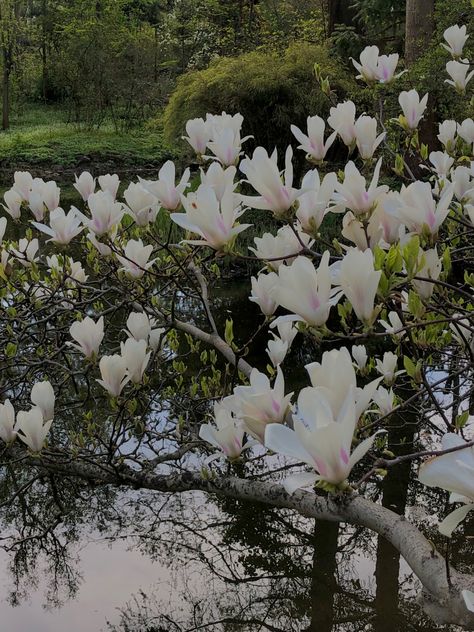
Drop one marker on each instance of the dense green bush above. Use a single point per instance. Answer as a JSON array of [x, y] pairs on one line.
[[271, 90]]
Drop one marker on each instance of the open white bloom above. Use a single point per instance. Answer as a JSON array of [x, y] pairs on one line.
[[214, 221], [463, 185], [220, 179], [366, 136], [320, 439], [384, 399], [262, 173], [259, 403], [106, 214], [84, 185], [277, 350], [102, 248], [165, 189], [286, 330], [22, 183], [462, 331], [363, 238], [386, 67], [447, 134], [7, 422], [226, 145], [157, 338], [142, 205], [26, 252], [88, 335], [335, 376], [394, 326], [51, 194], [136, 358], [109, 184], [353, 193], [458, 71], [455, 37], [282, 247], [359, 353], [418, 209], [261, 292], [466, 130], [388, 367], [31, 429], [455, 473], [226, 434], [12, 204], [442, 163], [413, 108], [62, 228], [313, 204], [431, 269], [3, 228], [42, 395], [342, 119], [113, 371], [359, 281], [367, 67], [313, 143], [139, 325], [135, 258], [305, 291], [199, 134]]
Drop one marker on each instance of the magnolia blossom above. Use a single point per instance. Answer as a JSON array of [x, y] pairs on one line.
[[32, 429], [430, 269], [455, 37], [463, 186], [136, 358], [313, 204], [286, 330], [259, 404], [466, 130], [363, 237], [442, 163], [394, 325], [157, 338], [277, 350], [3, 228], [413, 108], [455, 473], [447, 134], [226, 434], [262, 292], [88, 335], [199, 134], [226, 145], [113, 371], [418, 210], [84, 185], [313, 143], [22, 183], [359, 353], [135, 258], [214, 221], [384, 399], [106, 214], [462, 331], [26, 252], [62, 228], [141, 205], [219, 179], [42, 395], [263, 174], [342, 119], [359, 282], [367, 67], [353, 192], [12, 204], [305, 291], [103, 249], [387, 367], [109, 184], [366, 136], [458, 71], [165, 189], [386, 67], [320, 439], [7, 422], [282, 247], [139, 325], [335, 376]]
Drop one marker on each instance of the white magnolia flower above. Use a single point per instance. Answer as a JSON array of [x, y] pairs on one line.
[[32, 429], [359, 281], [366, 136], [226, 145], [363, 237], [136, 358], [22, 183], [106, 214], [139, 325], [431, 269], [261, 292], [277, 350], [262, 173], [226, 434], [447, 134], [458, 71], [384, 399], [342, 119], [375, 67], [359, 353], [199, 134], [42, 395], [157, 338], [314, 144], [442, 163], [418, 209], [219, 179], [113, 371], [165, 189], [455, 37], [463, 185], [12, 204], [286, 330], [62, 228], [84, 185], [353, 193], [413, 108], [26, 252], [394, 326], [462, 331], [7, 422], [3, 228], [314, 203], [109, 184], [455, 473], [281, 248], [135, 258], [466, 130], [141, 205], [88, 335], [387, 367]]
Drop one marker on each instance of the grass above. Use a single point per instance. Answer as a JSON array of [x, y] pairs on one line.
[[40, 136]]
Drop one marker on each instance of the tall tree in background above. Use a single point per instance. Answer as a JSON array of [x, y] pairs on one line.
[[340, 12], [419, 27], [9, 28]]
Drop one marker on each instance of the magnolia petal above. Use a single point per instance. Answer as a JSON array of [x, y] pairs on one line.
[[285, 441], [454, 519], [296, 481], [362, 449], [468, 597]]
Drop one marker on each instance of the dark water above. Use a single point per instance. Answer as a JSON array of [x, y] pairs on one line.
[[136, 562]]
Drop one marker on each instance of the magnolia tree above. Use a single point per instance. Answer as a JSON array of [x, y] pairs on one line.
[[104, 309]]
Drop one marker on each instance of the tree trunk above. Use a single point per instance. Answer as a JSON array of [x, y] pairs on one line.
[[340, 12], [6, 91], [419, 25]]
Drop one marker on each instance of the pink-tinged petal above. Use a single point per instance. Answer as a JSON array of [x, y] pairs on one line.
[[281, 439]]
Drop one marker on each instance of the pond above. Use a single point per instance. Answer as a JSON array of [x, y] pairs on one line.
[[142, 561]]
